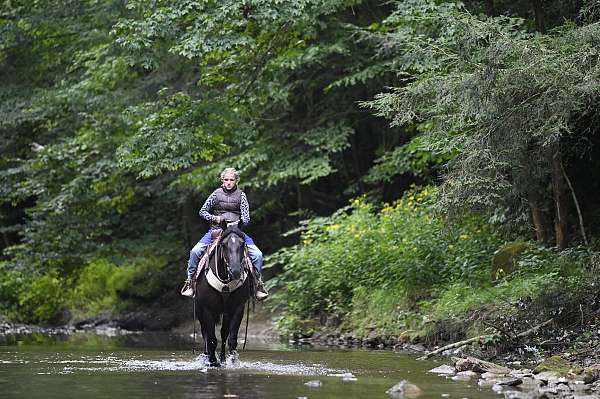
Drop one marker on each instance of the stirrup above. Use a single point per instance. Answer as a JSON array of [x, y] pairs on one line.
[[261, 292], [187, 289], [261, 295]]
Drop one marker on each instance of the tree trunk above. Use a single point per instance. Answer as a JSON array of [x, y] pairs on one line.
[[489, 7], [560, 200], [538, 13], [305, 197], [6, 240], [537, 217], [191, 221]]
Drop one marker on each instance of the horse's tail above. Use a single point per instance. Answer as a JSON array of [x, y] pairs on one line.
[[217, 320]]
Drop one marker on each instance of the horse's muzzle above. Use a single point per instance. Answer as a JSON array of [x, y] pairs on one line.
[[236, 274]]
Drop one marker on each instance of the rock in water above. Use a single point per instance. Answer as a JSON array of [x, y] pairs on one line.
[[511, 382], [404, 389], [443, 369], [313, 383], [465, 376], [479, 366]]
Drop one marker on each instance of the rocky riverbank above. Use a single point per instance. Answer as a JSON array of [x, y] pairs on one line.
[[553, 378]]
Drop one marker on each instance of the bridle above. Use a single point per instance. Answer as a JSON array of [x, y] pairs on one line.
[[220, 254]]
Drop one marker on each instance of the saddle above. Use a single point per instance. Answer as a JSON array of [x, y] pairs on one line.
[[203, 262]]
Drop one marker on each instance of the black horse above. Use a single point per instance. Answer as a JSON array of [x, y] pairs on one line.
[[226, 264]]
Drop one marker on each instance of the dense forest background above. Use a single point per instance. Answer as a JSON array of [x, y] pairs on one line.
[[420, 148]]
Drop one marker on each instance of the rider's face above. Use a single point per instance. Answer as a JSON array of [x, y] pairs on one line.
[[228, 181]]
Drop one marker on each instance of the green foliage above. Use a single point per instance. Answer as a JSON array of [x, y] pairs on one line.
[[117, 117], [538, 272], [34, 299], [507, 100], [404, 248], [387, 311], [106, 287], [94, 291], [41, 298], [413, 157], [10, 285]]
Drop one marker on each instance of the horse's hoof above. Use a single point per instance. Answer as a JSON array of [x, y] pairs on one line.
[[203, 358], [233, 358]]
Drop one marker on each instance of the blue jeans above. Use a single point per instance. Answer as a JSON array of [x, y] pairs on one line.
[[196, 253]]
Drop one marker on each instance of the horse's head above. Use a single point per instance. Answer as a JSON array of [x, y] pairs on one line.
[[232, 248]]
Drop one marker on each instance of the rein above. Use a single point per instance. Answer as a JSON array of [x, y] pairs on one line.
[[221, 255]]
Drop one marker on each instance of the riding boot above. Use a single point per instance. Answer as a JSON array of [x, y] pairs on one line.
[[187, 289], [261, 291]]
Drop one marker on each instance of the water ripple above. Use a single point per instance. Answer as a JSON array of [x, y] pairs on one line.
[[200, 364]]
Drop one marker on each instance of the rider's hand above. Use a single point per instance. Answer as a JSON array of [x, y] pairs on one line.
[[218, 219]]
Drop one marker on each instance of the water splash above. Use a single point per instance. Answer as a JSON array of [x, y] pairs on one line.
[[200, 363]]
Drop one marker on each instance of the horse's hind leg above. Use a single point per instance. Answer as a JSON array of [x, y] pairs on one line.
[[224, 335]]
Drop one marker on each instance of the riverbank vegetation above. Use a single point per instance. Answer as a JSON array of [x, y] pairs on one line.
[[409, 164], [403, 269]]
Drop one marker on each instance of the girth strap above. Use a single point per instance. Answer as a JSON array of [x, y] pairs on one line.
[[221, 286]]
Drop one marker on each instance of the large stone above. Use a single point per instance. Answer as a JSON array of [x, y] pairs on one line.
[[313, 383], [530, 383], [479, 366], [509, 394], [591, 373], [492, 376], [547, 376], [486, 383], [504, 259], [554, 364], [522, 373], [465, 375], [511, 382], [443, 369], [579, 386], [404, 389]]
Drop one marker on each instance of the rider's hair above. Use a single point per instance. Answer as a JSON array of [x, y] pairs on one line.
[[231, 171]]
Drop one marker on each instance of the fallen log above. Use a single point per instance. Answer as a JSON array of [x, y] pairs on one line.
[[534, 329], [482, 337]]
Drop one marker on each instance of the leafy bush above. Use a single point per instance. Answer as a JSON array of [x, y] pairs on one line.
[[29, 298], [404, 248], [41, 298], [103, 286], [10, 283]]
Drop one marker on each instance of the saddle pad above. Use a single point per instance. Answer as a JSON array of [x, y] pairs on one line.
[[204, 259]]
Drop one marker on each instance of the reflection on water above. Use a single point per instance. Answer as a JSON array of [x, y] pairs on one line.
[[161, 365]]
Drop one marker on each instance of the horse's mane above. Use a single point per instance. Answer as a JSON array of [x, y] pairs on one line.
[[232, 229]]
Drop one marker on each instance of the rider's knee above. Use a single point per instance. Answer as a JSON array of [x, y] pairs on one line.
[[197, 251], [255, 252]]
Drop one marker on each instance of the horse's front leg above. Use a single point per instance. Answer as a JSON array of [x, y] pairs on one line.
[[234, 327], [210, 339], [202, 321], [224, 335]]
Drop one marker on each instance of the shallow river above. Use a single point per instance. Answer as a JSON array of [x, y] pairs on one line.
[[162, 366]]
